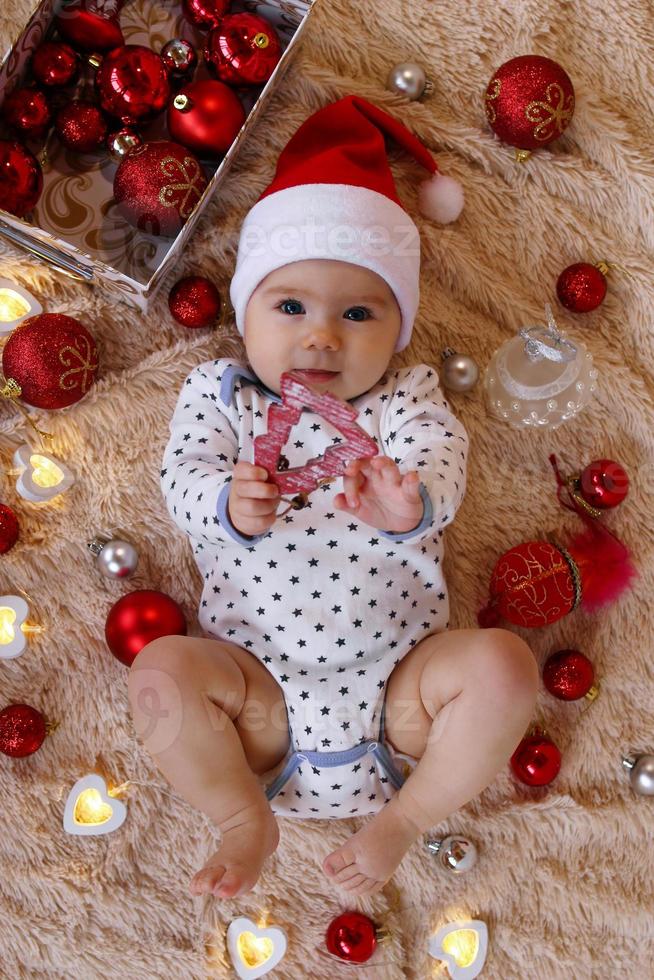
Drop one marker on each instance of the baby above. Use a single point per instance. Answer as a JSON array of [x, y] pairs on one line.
[[328, 683]]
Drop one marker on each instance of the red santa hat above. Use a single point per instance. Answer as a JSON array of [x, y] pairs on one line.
[[333, 197]]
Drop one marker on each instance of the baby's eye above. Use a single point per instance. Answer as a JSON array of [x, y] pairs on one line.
[[291, 306], [360, 313]]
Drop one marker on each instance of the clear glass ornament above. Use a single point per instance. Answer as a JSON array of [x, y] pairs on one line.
[[539, 377]]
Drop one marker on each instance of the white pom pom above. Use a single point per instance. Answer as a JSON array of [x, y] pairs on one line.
[[440, 198]]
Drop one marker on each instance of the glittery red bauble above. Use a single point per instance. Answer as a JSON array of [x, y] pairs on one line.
[[22, 730], [529, 101], [206, 116], [243, 50], [603, 484], [352, 937], [53, 358], [91, 25], [27, 110], [157, 186], [568, 675], [54, 63], [205, 13], [536, 761], [581, 287], [21, 178], [194, 302], [9, 529], [137, 619], [532, 585], [132, 83], [81, 126]]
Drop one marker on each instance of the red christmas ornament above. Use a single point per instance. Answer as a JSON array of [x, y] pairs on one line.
[[81, 126], [206, 116], [194, 302], [537, 760], [205, 13], [157, 186], [243, 50], [297, 395], [122, 142], [132, 83], [91, 25], [53, 359], [582, 286], [138, 618], [22, 730], [21, 178], [352, 937], [54, 63], [603, 484], [569, 675], [529, 102], [9, 529], [27, 110], [539, 582]]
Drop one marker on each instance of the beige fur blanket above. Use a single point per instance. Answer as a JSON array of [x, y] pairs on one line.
[[564, 878]]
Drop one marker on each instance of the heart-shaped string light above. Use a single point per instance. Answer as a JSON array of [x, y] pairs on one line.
[[254, 951]]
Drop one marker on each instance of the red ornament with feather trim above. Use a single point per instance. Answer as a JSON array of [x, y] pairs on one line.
[[539, 582]]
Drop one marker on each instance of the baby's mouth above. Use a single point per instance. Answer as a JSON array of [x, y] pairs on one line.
[[314, 375]]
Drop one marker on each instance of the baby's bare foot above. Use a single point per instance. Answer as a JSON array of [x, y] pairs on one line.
[[367, 860], [248, 838]]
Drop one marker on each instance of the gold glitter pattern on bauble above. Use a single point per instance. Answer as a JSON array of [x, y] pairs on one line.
[[189, 185], [496, 88], [548, 115], [70, 379]]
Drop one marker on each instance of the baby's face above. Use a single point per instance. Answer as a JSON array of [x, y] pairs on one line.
[[322, 314]]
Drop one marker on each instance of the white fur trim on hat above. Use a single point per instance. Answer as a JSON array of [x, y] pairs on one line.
[[330, 221]]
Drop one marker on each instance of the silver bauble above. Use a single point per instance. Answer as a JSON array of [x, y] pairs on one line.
[[455, 853], [641, 774], [179, 56], [459, 371], [121, 142], [116, 558], [409, 79]]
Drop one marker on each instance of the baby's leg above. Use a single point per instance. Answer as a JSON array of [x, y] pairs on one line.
[[460, 701], [213, 718]]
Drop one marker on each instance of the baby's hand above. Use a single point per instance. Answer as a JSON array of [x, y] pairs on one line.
[[253, 502], [379, 495]]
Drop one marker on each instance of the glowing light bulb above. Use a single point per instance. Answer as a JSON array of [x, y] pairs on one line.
[[46, 472], [42, 475], [12, 305], [91, 809], [7, 620], [15, 305], [254, 950], [463, 945]]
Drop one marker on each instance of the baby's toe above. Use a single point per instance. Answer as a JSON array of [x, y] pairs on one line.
[[366, 886], [338, 860], [206, 879], [231, 883], [355, 881]]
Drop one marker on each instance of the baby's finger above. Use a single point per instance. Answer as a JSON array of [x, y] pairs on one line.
[[351, 488], [257, 489], [411, 485], [387, 469]]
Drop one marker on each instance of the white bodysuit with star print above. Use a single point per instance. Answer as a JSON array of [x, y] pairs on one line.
[[328, 604]]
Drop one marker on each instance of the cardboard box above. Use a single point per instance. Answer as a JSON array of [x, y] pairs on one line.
[[75, 225]]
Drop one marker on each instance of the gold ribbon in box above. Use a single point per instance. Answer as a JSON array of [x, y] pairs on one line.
[[75, 225]]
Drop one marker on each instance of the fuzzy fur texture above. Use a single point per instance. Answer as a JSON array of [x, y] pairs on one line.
[[564, 878]]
